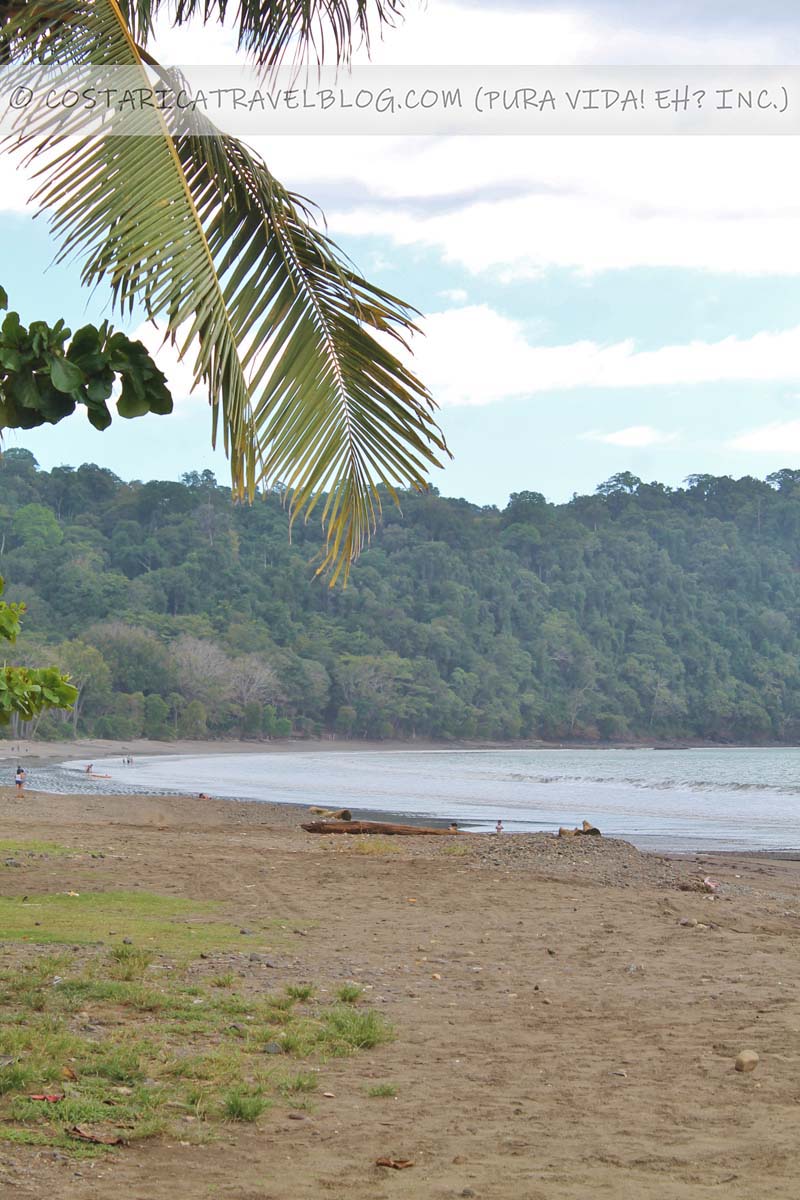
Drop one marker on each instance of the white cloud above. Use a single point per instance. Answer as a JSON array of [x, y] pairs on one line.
[[476, 356], [456, 295], [634, 435], [588, 205], [778, 437]]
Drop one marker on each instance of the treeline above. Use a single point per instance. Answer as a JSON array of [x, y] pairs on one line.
[[640, 611]]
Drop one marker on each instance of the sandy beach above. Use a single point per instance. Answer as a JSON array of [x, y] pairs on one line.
[[567, 1016], [26, 751]]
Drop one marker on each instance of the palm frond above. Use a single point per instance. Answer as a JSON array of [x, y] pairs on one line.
[[274, 30], [194, 227]]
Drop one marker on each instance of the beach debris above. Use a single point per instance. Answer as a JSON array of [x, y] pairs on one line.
[[360, 827], [49, 1097], [332, 814], [692, 885], [746, 1060], [68, 1073], [710, 885], [97, 1134], [397, 1164], [586, 830]]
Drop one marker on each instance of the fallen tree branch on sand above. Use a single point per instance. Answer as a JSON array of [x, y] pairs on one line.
[[372, 827]]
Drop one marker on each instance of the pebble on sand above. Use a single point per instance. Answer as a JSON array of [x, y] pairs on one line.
[[746, 1060]]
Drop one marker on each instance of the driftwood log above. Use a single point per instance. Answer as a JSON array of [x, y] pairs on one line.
[[372, 827], [586, 830]]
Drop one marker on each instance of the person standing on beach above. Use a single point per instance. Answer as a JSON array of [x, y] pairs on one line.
[[498, 827], [19, 778]]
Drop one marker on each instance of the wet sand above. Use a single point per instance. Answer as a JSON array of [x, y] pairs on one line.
[[567, 1016]]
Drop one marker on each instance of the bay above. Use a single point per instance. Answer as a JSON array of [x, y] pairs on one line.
[[680, 800]]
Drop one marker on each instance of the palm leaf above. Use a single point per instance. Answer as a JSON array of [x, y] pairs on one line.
[[192, 226], [270, 30]]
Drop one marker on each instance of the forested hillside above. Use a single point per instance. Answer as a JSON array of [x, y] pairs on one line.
[[640, 611]]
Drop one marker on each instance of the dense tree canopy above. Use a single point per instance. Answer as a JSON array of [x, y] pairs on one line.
[[638, 612]]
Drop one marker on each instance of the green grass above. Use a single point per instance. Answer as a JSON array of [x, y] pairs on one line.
[[302, 1082], [12, 847], [132, 1046], [131, 962], [241, 1105], [373, 845], [345, 1029], [385, 1091], [300, 991], [224, 980], [168, 923], [350, 993]]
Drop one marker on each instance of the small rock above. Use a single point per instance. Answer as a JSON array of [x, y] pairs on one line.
[[247, 932], [467, 1192], [746, 1060], [296, 1117], [127, 941], [12, 862], [273, 1048], [254, 958]]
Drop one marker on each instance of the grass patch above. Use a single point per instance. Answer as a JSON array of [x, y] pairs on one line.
[[12, 848], [168, 923], [303, 1082], [225, 980], [131, 962], [456, 849], [373, 845], [350, 993], [241, 1105], [133, 1049], [345, 1028], [300, 991], [383, 1091]]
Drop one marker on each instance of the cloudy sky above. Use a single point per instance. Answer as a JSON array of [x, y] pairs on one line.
[[592, 304]]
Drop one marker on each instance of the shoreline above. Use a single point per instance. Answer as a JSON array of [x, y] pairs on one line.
[[47, 775], [46, 753]]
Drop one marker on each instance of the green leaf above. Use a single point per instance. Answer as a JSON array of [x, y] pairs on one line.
[[65, 375]]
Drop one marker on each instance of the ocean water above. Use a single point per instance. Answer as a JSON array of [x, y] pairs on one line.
[[682, 800]]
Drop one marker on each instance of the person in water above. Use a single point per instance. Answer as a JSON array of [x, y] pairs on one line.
[[90, 768]]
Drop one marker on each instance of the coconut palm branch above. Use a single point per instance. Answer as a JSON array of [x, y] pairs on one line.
[[270, 30], [191, 225]]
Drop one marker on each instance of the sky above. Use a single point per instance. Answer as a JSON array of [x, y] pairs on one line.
[[591, 304]]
